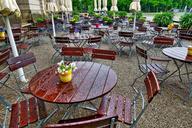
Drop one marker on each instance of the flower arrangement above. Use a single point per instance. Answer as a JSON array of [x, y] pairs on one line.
[[65, 71], [170, 26]]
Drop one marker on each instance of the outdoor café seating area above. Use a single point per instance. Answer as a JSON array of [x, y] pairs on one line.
[[85, 72]]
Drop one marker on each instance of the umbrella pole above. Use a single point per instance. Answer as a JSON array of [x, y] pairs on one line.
[[53, 25], [134, 22], [13, 47]]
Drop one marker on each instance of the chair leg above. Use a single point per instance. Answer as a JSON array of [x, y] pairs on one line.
[[136, 80]]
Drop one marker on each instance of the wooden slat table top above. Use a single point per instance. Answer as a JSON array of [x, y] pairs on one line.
[[90, 80], [178, 53], [73, 37]]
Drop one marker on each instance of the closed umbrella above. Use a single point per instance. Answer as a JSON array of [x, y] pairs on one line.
[[99, 5], [95, 5], [135, 6], [63, 9], [114, 5], [52, 7], [7, 8], [104, 5]]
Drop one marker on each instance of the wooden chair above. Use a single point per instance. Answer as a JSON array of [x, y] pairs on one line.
[[123, 107], [73, 53], [145, 64], [158, 30], [62, 40], [184, 36], [125, 40], [24, 112], [95, 121], [4, 75], [58, 43], [22, 61], [94, 42]]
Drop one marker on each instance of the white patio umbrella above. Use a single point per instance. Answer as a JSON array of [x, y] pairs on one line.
[[114, 5], [7, 8], [61, 4], [135, 6], [95, 5], [99, 5], [51, 8], [69, 7], [104, 5]]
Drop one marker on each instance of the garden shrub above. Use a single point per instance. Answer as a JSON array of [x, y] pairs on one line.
[[163, 19], [186, 21]]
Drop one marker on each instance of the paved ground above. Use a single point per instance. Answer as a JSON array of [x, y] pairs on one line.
[[167, 110]]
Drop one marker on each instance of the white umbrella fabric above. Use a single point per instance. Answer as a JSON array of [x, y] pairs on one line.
[[95, 5], [135, 6], [99, 5], [63, 9], [104, 5], [7, 8], [114, 5], [70, 6], [51, 8]]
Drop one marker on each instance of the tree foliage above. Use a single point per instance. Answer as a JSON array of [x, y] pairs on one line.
[[147, 5]]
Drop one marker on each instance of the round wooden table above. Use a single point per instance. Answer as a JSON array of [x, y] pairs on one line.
[[90, 80], [178, 53]]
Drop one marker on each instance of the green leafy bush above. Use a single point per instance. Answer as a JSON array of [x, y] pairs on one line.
[[138, 15], [163, 19], [107, 20], [110, 13], [186, 21], [39, 20], [122, 14], [74, 19], [97, 15]]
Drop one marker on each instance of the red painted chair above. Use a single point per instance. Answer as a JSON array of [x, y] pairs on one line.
[[23, 113], [104, 55], [22, 61], [160, 42], [95, 121], [122, 106], [72, 53]]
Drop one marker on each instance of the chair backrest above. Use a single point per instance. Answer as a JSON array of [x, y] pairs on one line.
[[62, 40], [163, 40], [101, 33], [33, 28], [141, 52], [126, 34], [152, 85], [72, 51], [94, 39], [158, 29], [71, 30], [185, 36], [21, 61], [142, 29], [100, 122], [103, 54], [85, 28], [4, 55], [16, 30]]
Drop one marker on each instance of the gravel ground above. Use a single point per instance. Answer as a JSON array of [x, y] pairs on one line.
[[167, 110]]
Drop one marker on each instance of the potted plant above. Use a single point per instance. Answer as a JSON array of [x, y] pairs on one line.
[[65, 71], [2, 34], [122, 14], [163, 19], [186, 21], [107, 20]]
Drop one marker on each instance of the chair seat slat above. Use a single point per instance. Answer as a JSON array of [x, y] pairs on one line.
[[23, 113], [14, 116], [33, 110]]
